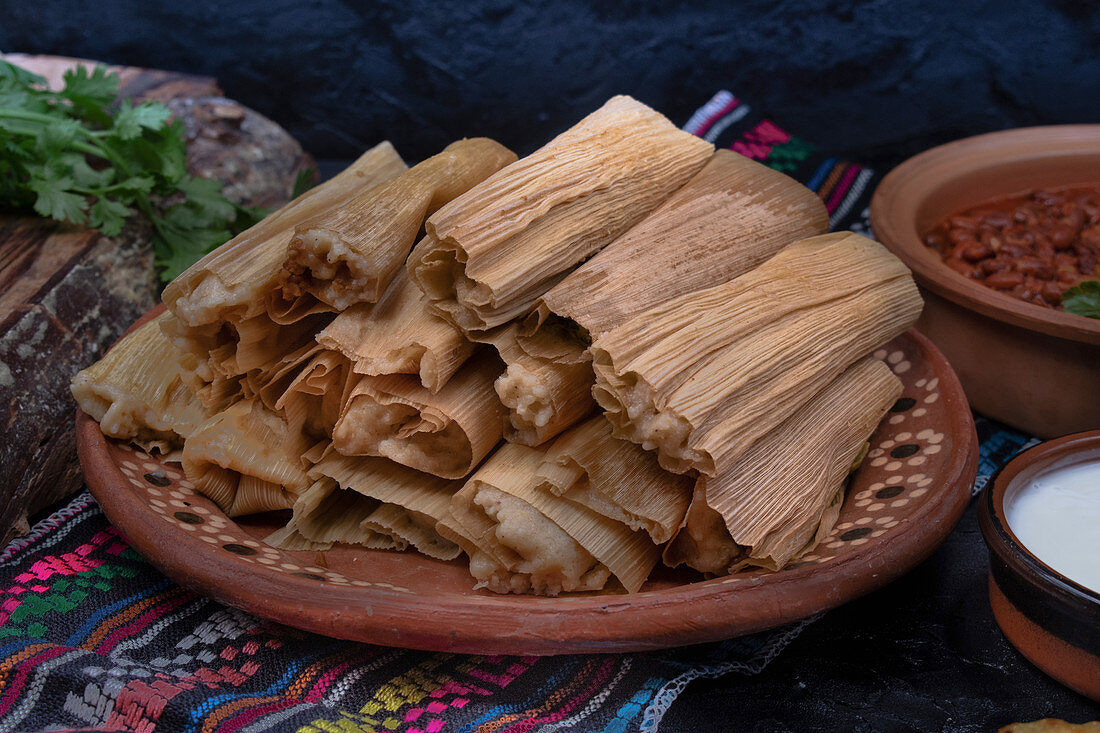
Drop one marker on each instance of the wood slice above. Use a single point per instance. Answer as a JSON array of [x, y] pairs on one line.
[[67, 293]]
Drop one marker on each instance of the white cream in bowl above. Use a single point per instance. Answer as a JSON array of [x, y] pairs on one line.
[[1056, 515]]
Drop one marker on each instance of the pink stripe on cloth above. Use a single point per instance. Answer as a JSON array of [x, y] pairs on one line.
[[22, 671], [325, 681], [842, 187], [725, 110], [250, 715]]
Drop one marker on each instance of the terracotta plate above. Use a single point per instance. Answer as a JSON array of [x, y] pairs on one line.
[[902, 503]]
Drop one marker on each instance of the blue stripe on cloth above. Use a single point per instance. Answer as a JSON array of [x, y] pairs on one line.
[[76, 637], [633, 707], [820, 173], [278, 686]]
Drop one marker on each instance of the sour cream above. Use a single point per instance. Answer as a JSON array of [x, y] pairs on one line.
[[1057, 517]]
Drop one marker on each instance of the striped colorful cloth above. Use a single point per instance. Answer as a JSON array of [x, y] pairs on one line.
[[92, 637]]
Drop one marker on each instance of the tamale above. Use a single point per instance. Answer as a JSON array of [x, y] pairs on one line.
[[247, 459], [731, 216], [399, 334], [542, 397], [233, 280], [700, 378], [617, 479], [783, 495], [135, 391], [445, 434], [522, 539], [407, 503], [348, 254], [324, 515], [488, 254]]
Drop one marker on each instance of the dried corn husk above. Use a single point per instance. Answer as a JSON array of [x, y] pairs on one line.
[[348, 254], [491, 252], [325, 514], [232, 282], [315, 397], [522, 539], [782, 496], [445, 434], [408, 503], [617, 479], [135, 391], [732, 216], [699, 379], [247, 459], [399, 334]]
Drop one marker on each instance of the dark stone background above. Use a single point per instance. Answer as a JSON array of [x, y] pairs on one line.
[[875, 80]]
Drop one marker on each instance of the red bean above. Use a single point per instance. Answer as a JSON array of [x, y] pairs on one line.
[[1035, 267], [960, 236], [1052, 293], [1004, 280], [963, 268], [974, 252]]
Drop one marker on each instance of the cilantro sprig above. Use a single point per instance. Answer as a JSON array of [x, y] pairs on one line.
[[1083, 299], [77, 156]]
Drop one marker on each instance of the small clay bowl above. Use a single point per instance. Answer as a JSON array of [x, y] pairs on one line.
[[1052, 620], [1031, 367]]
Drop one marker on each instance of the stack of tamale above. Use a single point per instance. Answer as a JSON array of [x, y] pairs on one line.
[[621, 349]]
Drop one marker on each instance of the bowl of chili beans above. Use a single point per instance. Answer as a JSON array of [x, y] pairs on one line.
[[1002, 232]]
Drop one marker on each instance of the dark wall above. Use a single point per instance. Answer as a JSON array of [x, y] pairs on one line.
[[876, 79]]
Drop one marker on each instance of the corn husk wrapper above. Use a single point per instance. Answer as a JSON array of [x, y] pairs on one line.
[[730, 217], [399, 334], [522, 539], [247, 459], [388, 501], [543, 397], [315, 396], [491, 252], [348, 254], [617, 479], [135, 391], [233, 281], [784, 495], [325, 514], [445, 434], [699, 379]]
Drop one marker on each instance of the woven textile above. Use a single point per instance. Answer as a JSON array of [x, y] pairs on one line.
[[91, 636]]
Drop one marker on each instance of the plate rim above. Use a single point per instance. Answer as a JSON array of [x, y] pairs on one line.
[[705, 611]]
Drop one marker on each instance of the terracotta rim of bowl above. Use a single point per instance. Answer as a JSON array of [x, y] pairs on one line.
[[898, 198], [1048, 598]]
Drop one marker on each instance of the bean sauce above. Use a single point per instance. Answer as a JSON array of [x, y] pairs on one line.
[[1033, 247]]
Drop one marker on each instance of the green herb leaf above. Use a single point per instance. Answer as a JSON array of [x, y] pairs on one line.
[[1083, 299], [90, 92], [56, 202], [108, 216], [70, 156], [131, 121]]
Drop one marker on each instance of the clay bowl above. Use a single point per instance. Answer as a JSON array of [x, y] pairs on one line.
[[1025, 365], [1052, 620]]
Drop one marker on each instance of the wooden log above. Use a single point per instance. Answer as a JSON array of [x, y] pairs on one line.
[[68, 293]]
